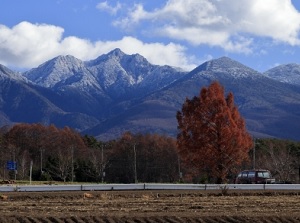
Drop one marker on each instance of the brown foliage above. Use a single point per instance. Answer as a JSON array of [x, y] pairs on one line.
[[61, 154], [212, 133], [34, 142]]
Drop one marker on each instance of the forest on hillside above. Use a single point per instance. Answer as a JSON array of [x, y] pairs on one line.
[[56, 154]]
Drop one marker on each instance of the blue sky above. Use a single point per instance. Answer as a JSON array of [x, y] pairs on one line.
[[183, 33]]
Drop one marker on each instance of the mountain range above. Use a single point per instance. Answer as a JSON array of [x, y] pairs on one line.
[[116, 92]]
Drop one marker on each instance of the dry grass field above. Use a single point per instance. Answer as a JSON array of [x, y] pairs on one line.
[[150, 206]]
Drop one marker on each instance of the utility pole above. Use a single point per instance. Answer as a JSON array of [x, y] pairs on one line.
[[254, 155], [179, 169], [41, 150], [254, 151], [102, 171], [15, 164], [30, 173], [72, 167], [135, 172]]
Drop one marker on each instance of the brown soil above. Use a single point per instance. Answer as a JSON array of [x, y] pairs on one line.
[[150, 207]]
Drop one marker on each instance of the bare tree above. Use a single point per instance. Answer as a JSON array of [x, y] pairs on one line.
[[67, 145], [278, 157], [24, 164]]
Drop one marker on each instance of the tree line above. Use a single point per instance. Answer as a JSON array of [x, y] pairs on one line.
[[212, 146], [64, 155]]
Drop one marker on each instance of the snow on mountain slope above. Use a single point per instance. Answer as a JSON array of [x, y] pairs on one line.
[[288, 73], [54, 71], [127, 74], [63, 71], [115, 75], [111, 75], [7, 73], [226, 67]]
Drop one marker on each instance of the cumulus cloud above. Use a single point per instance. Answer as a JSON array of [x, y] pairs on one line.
[[229, 24], [27, 45], [110, 9]]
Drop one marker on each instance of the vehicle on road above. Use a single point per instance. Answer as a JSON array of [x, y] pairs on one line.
[[257, 176]]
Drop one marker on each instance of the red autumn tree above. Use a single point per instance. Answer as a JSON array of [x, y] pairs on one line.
[[212, 134]]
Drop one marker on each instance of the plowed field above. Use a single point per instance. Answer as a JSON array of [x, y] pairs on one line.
[[150, 207]]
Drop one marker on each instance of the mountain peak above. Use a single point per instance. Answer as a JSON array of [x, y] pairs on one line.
[[55, 70], [224, 62], [287, 73], [225, 66], [224, 59], [116, 52], [65, 60]]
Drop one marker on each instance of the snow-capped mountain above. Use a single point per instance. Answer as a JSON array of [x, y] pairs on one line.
[[124, 75], [117, 92], [225, 65], [118, 70], [63, 72], [56, 72], [287, 73], [115, 75]]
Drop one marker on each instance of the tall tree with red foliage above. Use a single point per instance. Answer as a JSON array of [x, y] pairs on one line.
[[212, 134]]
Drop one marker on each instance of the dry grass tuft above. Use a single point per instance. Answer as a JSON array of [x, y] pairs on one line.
[[105, 196], [146, 196], [4, 197], [87, 195]]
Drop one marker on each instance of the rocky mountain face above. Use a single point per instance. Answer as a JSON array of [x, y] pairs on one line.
[[117, 92]]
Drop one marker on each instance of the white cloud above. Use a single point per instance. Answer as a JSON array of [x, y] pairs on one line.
[[27, 45], [111, 9], [135, 15], [230, 24], [19, 45]]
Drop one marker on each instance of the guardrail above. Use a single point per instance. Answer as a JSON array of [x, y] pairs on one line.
[[145, 186]]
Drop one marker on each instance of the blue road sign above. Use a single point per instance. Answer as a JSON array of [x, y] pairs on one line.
[[11, 165]]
